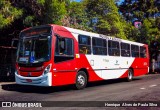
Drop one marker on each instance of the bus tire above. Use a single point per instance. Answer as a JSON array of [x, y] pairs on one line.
[[130, 75], [81, 80]]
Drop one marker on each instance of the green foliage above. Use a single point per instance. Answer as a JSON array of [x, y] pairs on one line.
[[149, 30], [54, 11], [139, 9], [41, 2], [130, 31], [101, 16], [76, 16], [8, 13], [3, 21], [107, 19], [157, 22], [28, 21], [144, 11]]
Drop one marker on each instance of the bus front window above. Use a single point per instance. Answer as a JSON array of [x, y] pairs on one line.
[[34, 49]]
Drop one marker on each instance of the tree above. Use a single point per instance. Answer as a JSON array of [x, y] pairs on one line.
[[145, 11], [104, 17], [54, 11], [38, 12], [8, 13], [149, 30], [32, 12], [76, 16], [139, 9]]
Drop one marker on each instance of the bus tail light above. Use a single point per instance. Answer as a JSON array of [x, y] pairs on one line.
[[47, 69]]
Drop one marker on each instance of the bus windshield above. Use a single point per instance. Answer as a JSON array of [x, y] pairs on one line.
[[34, 49]]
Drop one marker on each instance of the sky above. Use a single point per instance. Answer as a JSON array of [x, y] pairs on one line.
[[78, 0]]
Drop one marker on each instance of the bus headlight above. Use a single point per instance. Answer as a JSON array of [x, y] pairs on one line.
[[47, 69]]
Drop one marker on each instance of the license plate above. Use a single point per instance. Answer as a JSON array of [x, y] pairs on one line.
[[28, 80]]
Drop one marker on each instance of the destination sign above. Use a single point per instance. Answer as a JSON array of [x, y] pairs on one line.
[[36, 31], [110, 38]]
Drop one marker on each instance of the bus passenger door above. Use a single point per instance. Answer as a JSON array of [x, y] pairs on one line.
[[64, 63]]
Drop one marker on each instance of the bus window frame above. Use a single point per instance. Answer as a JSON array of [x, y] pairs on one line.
[[115, 49], [103, 46], [127, 51], [86, 46], [68, 57], [145, 54], [135, 51]]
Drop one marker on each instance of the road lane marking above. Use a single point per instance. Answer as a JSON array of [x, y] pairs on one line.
[[142, 88], [152, 85]]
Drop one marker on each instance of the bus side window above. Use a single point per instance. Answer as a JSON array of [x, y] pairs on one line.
[[84, 44], [64, 49], [125, 49], [135, 50], [99, 46], [143, 52], [113, 48]]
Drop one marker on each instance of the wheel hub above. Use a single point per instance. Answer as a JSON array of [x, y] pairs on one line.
[[81, 80]]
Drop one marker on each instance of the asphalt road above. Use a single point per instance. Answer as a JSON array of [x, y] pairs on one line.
[[142, 89]]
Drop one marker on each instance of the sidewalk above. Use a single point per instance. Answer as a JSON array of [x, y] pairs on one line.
[[2, 83], [7, 81]]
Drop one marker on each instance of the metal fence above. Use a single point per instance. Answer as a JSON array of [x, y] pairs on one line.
[[7, 62]]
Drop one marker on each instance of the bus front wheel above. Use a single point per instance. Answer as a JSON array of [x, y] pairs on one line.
[[81, 80]]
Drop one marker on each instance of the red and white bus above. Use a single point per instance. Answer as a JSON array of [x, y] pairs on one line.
[[52, 55]]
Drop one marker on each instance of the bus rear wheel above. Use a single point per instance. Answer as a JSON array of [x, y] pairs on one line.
[[81, 80], [130, 75]]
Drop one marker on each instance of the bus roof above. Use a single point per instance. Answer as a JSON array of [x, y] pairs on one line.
[[77, 31]]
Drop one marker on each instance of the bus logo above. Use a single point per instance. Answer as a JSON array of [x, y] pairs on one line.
[[116, 62], [29, 74]]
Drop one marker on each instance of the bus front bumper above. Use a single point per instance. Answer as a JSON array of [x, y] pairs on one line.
[[43, 80]]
